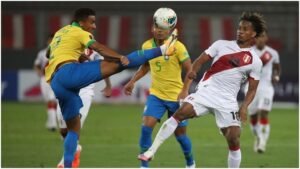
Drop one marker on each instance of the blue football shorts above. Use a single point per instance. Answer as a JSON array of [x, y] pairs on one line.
[[68, 80], [156, 107]]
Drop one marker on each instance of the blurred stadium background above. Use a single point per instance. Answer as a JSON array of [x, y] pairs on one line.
[[111, 133]]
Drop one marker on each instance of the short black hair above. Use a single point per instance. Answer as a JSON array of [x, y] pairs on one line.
[[257, 20], [83, 13]]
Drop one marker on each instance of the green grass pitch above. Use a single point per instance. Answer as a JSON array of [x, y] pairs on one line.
[[111, 133]]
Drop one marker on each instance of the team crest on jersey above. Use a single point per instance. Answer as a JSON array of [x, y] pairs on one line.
[[265, 58], [246, 58]]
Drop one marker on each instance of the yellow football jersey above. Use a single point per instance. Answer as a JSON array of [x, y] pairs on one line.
[[67, 45], [166, 81]]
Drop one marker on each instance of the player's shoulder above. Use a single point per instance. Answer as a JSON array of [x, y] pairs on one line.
[[256, 60], [148, 41], [83, 32], [63, 29], [148, 44], [253, 52], [271, 50], [75, 30], [179, 44], [222, 42]]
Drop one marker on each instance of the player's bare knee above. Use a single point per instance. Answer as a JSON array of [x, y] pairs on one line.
[[233, 140], [180, 116], [74, 124], [263, 114], [149, 121], [254, 117], [186, 111], [232, 135]]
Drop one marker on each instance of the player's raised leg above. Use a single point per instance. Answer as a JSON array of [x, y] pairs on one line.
[[139, 57]]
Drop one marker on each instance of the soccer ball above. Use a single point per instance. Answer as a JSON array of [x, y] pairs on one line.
[[165, 18]]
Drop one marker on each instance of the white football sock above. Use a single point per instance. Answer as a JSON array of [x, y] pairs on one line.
[[234, 158], [163, 48], [51, 118], [259, 130], [253, 129], [61, 161], [265, 131], [165, 131]]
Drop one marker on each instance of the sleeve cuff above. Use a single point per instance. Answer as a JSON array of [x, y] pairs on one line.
[[183, 60], [90, 43]]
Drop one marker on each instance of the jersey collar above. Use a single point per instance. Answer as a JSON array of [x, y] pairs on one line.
[[153, 43], [76, 24]]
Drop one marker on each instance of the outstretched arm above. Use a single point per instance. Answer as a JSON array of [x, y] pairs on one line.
[[107, 52], [187, 67], [276, 72], [197, 64], [137, 76]]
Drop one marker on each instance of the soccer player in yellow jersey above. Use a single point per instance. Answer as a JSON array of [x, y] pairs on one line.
[[166, 91], [67, 76]]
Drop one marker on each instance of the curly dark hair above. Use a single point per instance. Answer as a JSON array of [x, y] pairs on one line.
[[257, 20], [83, 13]]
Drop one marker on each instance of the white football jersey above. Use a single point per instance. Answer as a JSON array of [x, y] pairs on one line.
[[268, 56], [41, 59], [231, 67]]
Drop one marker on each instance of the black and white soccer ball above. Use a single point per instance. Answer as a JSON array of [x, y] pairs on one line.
[[165, 18]]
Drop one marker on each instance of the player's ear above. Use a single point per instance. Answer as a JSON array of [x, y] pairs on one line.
[[152, 28], [253, 35], [80, 23]]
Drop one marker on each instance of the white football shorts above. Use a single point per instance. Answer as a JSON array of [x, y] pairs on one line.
[[46, 89], [224, 117], [263, 100]]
